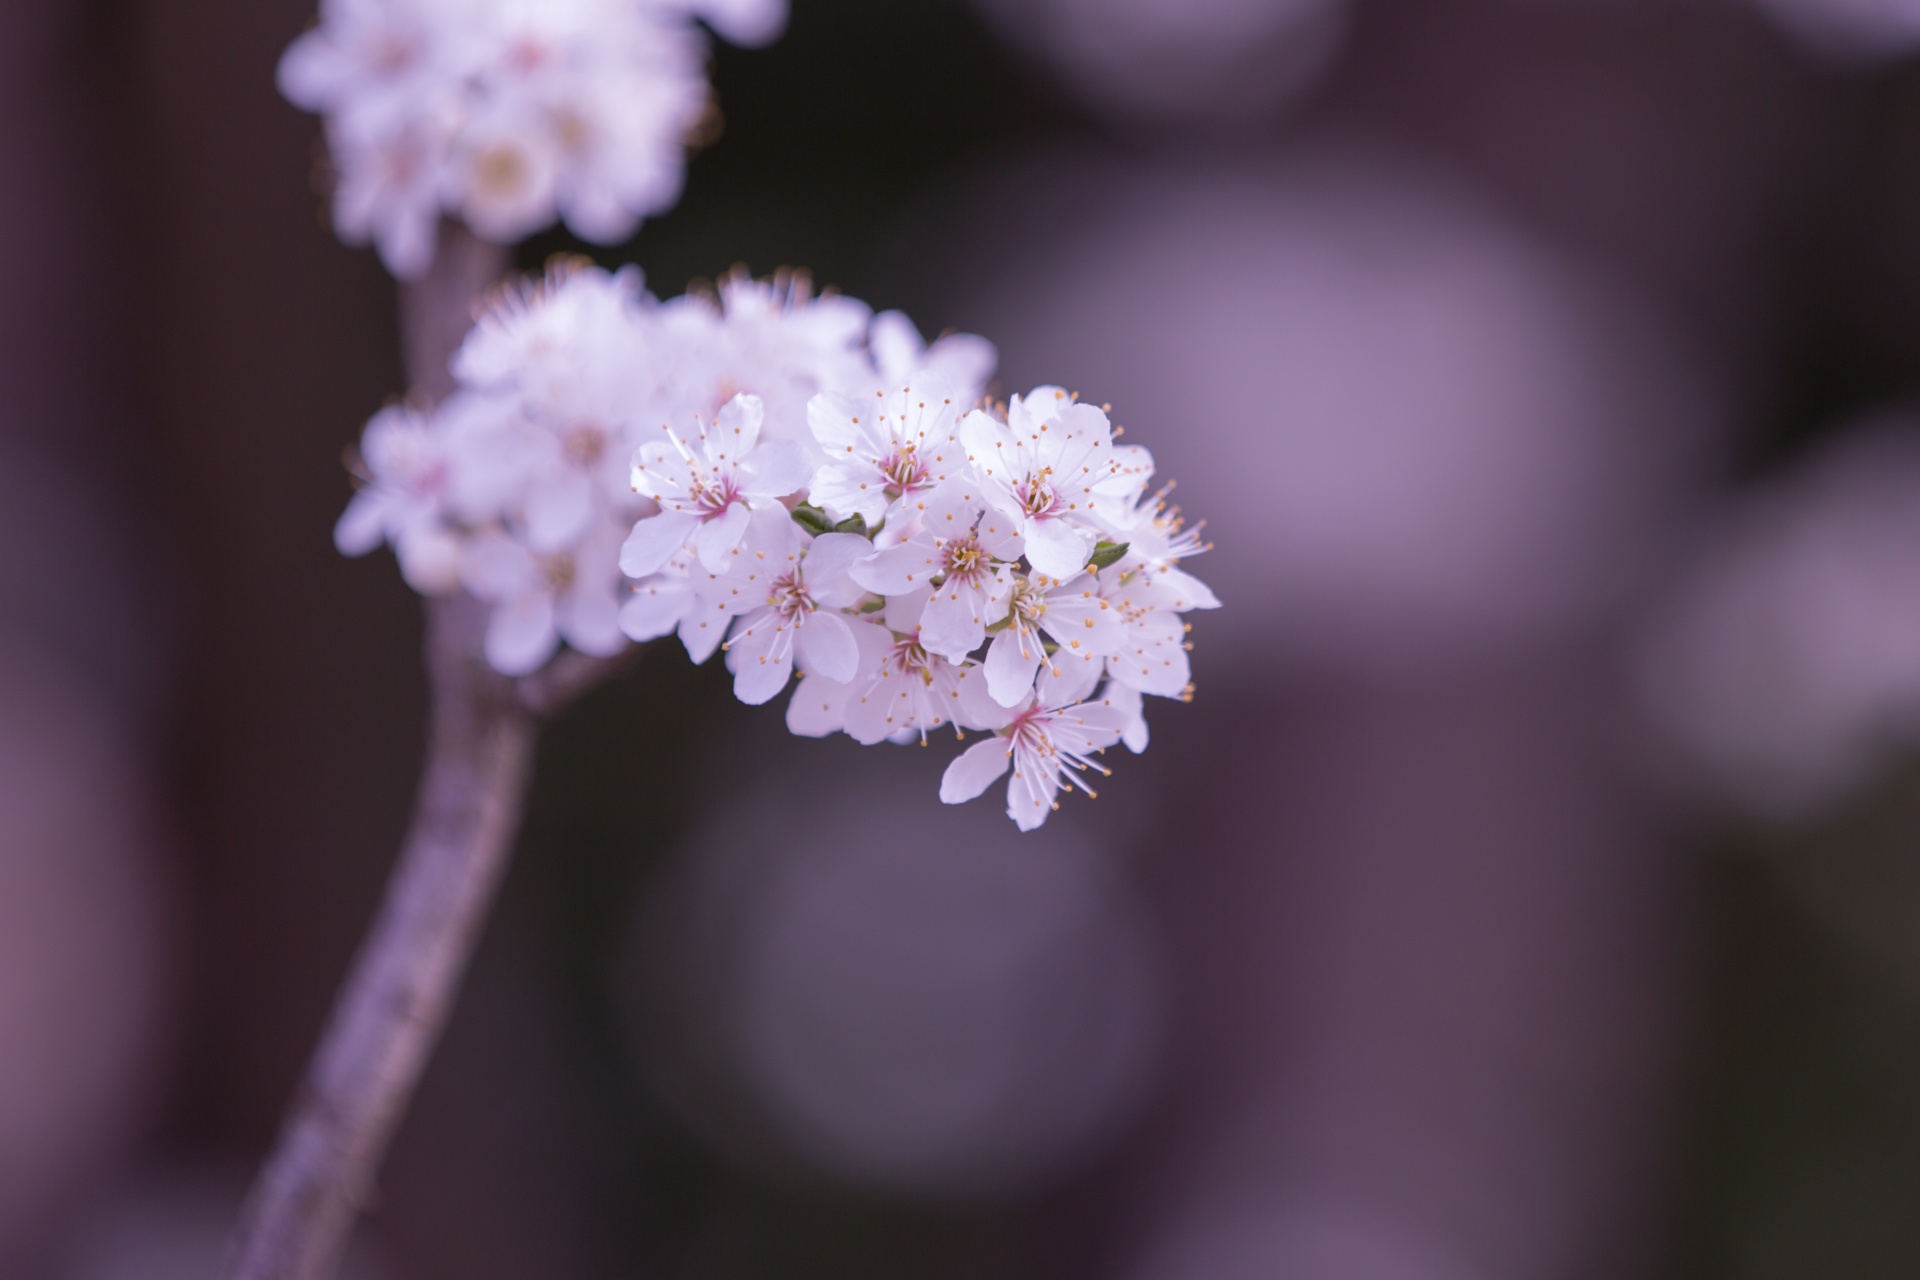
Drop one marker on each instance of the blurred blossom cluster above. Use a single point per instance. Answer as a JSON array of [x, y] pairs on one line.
[[1789, 667], [508, 113], [1851, 30], [803, 484]]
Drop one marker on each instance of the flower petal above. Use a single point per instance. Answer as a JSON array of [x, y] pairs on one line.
[[974, 770], [826, 645], [1011, 667], [714, 540], [653, 542], [1056, 548], [520, 633]]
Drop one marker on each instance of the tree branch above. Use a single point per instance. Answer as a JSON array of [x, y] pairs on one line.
[[395, 1003]]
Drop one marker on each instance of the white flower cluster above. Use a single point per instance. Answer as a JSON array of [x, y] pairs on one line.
[[508, 113], [802, 484]]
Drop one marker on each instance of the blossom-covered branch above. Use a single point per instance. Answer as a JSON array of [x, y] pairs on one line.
[[809, 488]]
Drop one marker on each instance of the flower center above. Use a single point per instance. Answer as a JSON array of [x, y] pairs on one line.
[[1029, 731], [909, 658], [1036, 496], [712, 495], [789, 597], [585, 444], [965, 561], [904, 471], [501, 170], [1029, 602], [559, 571]]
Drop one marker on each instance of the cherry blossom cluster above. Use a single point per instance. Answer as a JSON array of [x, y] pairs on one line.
[[805, 487], [508, 113]]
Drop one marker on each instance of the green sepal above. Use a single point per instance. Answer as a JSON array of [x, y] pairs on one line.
[[1106, 553], [812, 519], [855, 523]]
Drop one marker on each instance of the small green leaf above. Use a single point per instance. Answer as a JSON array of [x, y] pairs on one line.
[[812, 519], [995, 628], [1106, 553], [855, 523]]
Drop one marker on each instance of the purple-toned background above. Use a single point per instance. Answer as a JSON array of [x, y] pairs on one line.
[[1530, 893]]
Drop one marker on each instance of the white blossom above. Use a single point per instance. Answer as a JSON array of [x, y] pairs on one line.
[[810, 488], [540, 600], [885, 452], [708, 487], [1052, 468], [508, 113], [1047, 746], [963, 543], [805, 589], [1082, 625]]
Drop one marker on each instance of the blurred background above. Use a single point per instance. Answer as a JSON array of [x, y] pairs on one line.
[[1532, 890]]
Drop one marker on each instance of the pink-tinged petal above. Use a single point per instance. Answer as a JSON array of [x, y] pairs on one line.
[[895, 344], [835, 421], [557, 510], [973, 707], [1031, 790], [818, 707], [903, 611], [654, 541], [495, 566], [1011, 666], [849, 489], [897, 570], [761, 660], [1130, 704], [974, 770], [1187, 592], [955, 622], [830, 557], [1083, 624], [825, 644], [1065, 680], [1097, 724], [520, 633], [967, 359], [362, 526], [1056, 548], [736, 428], [701, 631], [430, 559], [776, 469], [771, 537], [588, 619], [748, 23], [1154, 660], [714, 540], [656, 607], [990, 447], [877, 710]]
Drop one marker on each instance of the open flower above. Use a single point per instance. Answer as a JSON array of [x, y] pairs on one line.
[[884, 452], [1083, 626], [1047, 746], [540, 600], [1052, 468], [958, 547], [805, 590], [709, 487]]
